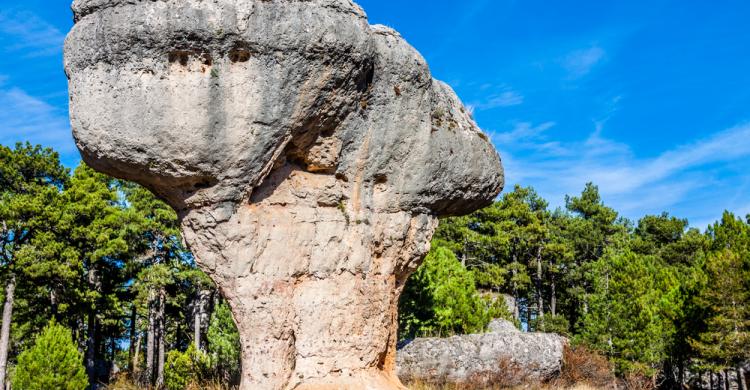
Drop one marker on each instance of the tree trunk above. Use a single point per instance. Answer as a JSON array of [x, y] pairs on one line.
[[711, 380], [150, 339], [134, 370], [515, 287], [741, 385], [197, 317], [93, 280], [553, 295], [91, 348], [725, 379], [539, 295], [53, 302], [133, 345], [112, 350], [528, 315], [10, 290], [161, 333]]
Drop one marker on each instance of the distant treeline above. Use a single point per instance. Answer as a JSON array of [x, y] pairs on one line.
[[656, 297]]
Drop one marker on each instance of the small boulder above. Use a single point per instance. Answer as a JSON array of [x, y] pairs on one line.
[[500, 325]]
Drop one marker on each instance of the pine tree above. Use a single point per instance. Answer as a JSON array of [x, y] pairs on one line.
[[594, 228], [224, 344], [157, 252], [52, 363], [31, 178], [726, 301], [440, 298], [96, 228], [630, 305]]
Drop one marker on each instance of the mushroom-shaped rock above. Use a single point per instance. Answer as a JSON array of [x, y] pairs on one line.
[[307, 153]]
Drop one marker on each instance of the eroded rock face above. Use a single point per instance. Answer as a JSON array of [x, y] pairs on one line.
[[307, 153], [504, 357]]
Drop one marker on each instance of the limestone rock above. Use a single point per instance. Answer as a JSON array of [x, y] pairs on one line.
[[307, 153], [506, 357], [502, 326]]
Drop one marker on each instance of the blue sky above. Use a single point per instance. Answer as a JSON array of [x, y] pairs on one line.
[[648, 99]]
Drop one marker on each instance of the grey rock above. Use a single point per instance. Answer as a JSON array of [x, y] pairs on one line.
[[308, 155], [506, 357], [500, 325]]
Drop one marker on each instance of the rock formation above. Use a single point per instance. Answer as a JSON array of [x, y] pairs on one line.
[[503, 357], [308, 155]]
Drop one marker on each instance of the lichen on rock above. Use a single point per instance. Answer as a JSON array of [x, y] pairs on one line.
[[307, 153]]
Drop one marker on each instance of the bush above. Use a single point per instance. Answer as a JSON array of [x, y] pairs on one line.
[[53, 362], [552, 324], [584, 366], [441, 299], [224, 344], [185, 368]]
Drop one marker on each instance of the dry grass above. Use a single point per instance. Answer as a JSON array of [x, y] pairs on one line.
[[582, 366], [538, 386], [123, 382]]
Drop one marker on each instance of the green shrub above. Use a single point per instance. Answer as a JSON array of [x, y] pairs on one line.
[[441, 299], [224, 344], [184, 368], [53, 362], [552, 324]]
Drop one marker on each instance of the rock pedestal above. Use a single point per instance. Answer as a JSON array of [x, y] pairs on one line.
[[307, 153]]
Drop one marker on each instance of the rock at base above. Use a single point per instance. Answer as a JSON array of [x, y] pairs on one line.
[[506, 357]]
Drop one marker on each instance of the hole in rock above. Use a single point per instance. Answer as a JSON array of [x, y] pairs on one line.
[[381, 179], [179, 56], [206, 59], [239, 55]]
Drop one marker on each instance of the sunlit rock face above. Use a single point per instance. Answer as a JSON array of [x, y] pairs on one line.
[[308, 154], [504, 356]]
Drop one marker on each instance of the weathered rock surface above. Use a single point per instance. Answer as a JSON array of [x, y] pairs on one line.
[[502, 326], [307, 153], [503, 356]]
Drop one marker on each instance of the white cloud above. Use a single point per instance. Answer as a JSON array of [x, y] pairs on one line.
[[506, 97], [26, 118], [522, 132], [29, 34], [581, 62], [633, 185]]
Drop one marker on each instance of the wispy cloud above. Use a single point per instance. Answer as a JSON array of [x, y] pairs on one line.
[[523, 133], [580, 62], [26, 33], [503, 99], [632, 184], [27, 118], [497, 96]]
